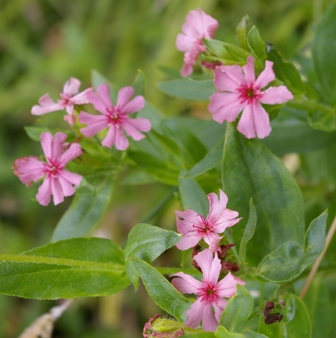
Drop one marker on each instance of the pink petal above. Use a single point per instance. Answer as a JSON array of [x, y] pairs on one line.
[[189, 240], [28, 169], [44, 192], [57, 145], [71, 119], [276, 95], [72, 178], [81, 98], [219, 307], [184, 42], [228, 285], [228, 78], [195, 314], [103, 91], [72, 152], [212, 239], [266, 76], [225, 106], [124, 96], [134, 105], [97, 102], [56, 191], [190, 217], [110, 138], [71, 87], [185, 283], [254, 121], [47, 105], [217, 205], [227, 220], [132, 127], [249, 71], [186, 70], [95, 123], [121, 140], [47, 144], [209, 265], [209, 322], [66, 186]]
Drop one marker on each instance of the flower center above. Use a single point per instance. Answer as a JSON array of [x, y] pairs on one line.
[[52, 168], [249, 94], [114, 117], [65, 100], [204, 227], [208, 293]]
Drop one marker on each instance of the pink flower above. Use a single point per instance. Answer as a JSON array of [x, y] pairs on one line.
[[210, 292], [194, 226], [198, 26], [240, 91], [58, 182], [69, 98], [116, 118]]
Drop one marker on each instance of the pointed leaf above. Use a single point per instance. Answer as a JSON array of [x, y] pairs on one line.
[[237, 310], [85, 212], [249, 232], [249, 169], [290, 259], [160, 290], [79, 267], [188, 89], [193, 196]]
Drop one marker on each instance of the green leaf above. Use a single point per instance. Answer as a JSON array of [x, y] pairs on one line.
[[193, 196], [222, 332], [237, 310], [79, 267], [160, 290], [324, 53], [252, 334], [290, 259], [295, 322], [242, 30], [188, 89], [257, 45], [294, 136], [323, 119], [148, 242], [139, 83], [249, 169], [248, 233], [34, 133], [200, 335], [211, 160], [286, 72], [85, 212], [319, 305], [227, 53]]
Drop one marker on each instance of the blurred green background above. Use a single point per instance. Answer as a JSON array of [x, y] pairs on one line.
[[43, 44]]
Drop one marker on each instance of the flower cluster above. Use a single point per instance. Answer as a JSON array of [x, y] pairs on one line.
[[238, 88], [59, 182], [210, 292]]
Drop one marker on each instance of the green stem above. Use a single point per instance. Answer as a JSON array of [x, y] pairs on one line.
[[317, 263]]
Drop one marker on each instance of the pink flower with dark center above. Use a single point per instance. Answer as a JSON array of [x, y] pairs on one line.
[[210, 292], [115, 118], [198, 26], [57, 181], [69, 98], [241, 91], [194, 226]]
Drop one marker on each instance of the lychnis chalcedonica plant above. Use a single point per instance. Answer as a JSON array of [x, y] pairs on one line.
[[248, 257]]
